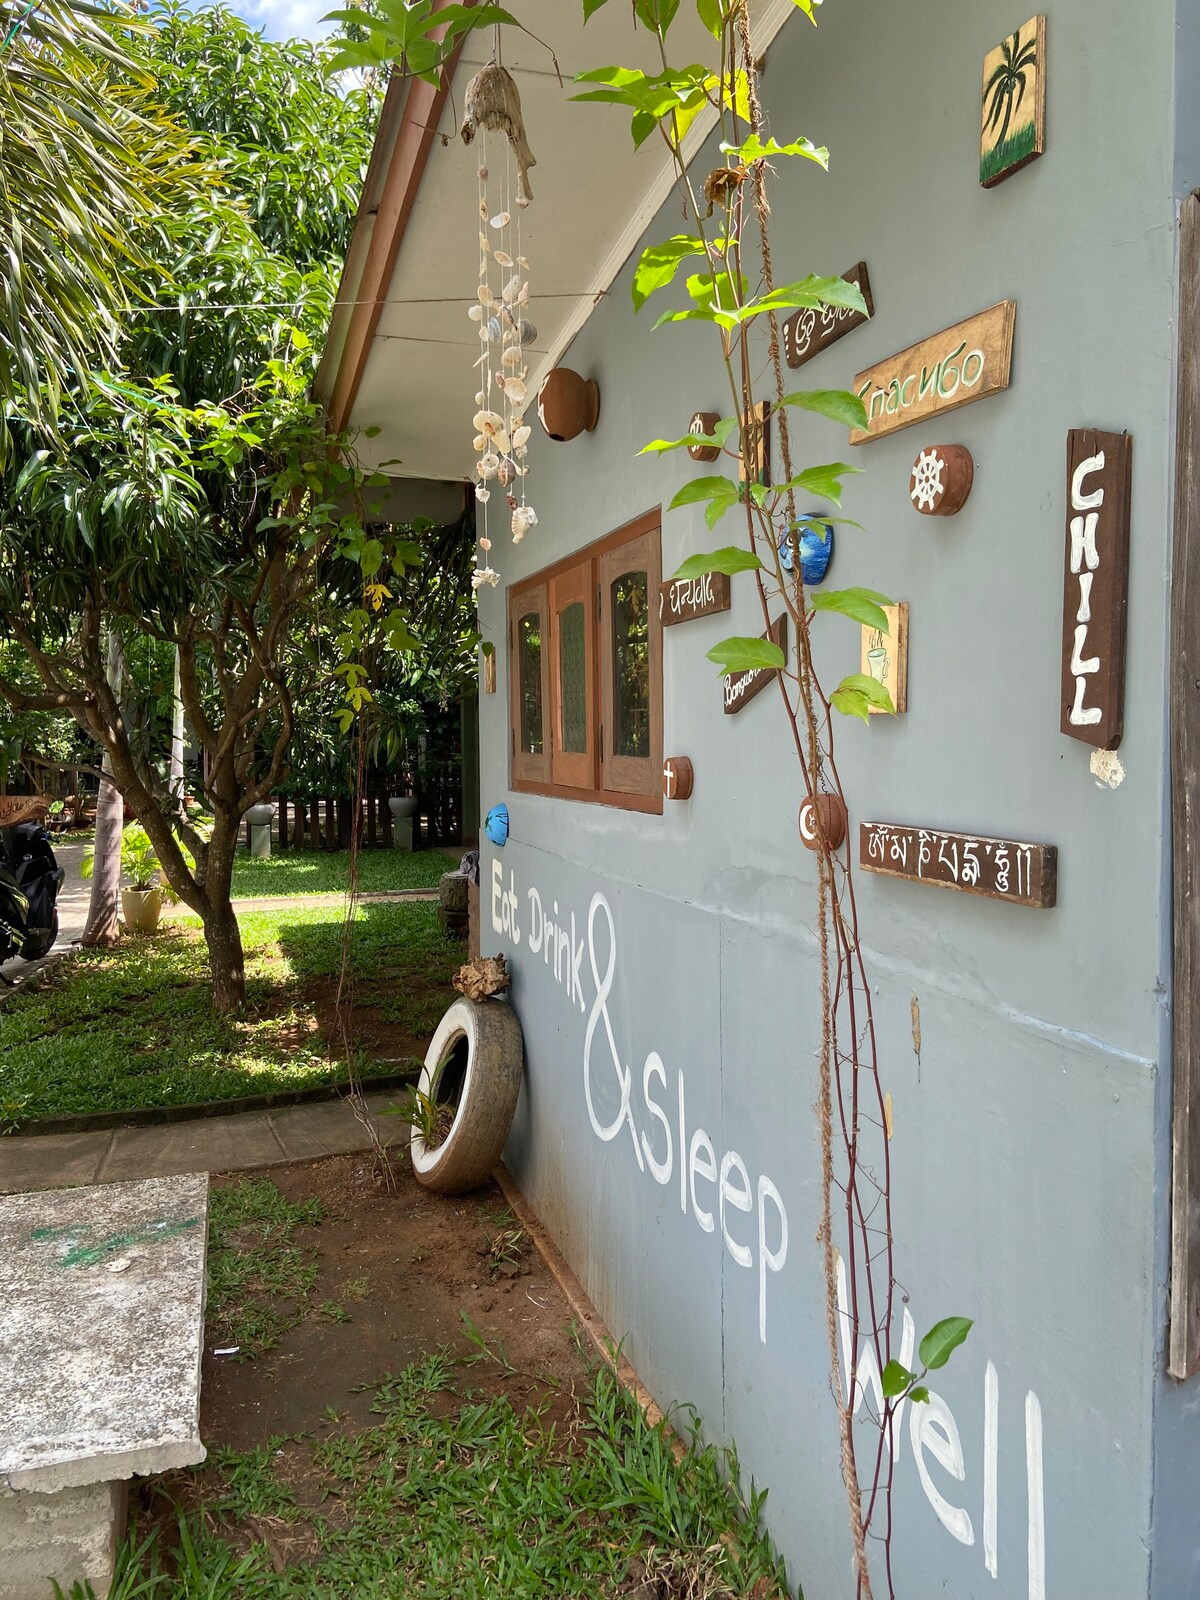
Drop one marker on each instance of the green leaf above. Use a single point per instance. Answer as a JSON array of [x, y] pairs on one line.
[[720, 493], [895, 1380], [590, 7], [753, 149], [824, 481], [942, 1340], [860, 605], [718, 437], [709, 12], [920, 1395], [855, 696], [659, 264], [730, 560], [741, 654], [839, 405]]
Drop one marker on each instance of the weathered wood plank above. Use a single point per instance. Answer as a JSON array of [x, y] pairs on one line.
[[1096, 587], [955, 368], [684, 599], [810, 331], [1001, 869], [1184, 1347], [739, 688]]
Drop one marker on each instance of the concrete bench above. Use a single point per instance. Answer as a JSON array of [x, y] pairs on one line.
[[101, 1334]]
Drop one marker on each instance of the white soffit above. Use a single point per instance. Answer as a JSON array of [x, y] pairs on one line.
[[593, 197]]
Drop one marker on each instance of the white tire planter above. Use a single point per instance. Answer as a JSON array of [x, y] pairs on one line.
[[487, 1101]]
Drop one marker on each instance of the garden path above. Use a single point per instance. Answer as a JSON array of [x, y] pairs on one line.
[[236, 1143]]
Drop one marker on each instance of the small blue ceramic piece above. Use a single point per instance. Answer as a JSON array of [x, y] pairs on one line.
[[815, 539], [496, 825]]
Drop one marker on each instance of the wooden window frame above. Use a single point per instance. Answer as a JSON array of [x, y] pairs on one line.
[[630, 783], [528, 768], [572, 769]]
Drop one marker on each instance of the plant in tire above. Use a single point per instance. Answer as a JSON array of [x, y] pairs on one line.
[[482, 1040]]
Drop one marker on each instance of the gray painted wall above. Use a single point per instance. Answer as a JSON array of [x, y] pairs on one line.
[[1028, 1152]]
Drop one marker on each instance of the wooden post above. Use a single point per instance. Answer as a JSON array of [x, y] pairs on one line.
[[1183, 1356]]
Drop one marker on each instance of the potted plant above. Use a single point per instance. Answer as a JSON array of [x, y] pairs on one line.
[[143, 898]]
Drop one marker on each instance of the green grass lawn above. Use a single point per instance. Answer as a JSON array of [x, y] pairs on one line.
[[134, 1026], [318, 872]]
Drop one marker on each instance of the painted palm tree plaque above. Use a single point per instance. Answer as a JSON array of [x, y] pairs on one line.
[[1014, 103]]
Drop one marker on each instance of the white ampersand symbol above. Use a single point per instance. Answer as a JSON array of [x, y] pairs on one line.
[[599, 1014]]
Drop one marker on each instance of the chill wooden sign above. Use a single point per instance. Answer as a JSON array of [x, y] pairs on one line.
[[814, 329], [741, 687], [1001, 869], [1099, 483], [684, 598], [966, 363]]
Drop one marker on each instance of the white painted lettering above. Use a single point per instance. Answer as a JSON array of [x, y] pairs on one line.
[[1037, 1497], [741, 1198], [933, 1429], [991, 1466], [660, 1171], [1083, 542], [1080, 666], [1084, 614], [1085, 469], [497, 885], [769, 1260], [536, 921], [702, 1146], [1083, 716]]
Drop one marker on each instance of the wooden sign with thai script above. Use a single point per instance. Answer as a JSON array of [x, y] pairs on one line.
[[1002, 869], [814, 329], [967, 362], [1099, 483], [741, 687], [682, 599]]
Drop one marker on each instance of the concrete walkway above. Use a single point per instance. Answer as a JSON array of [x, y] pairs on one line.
[[236, 1143]]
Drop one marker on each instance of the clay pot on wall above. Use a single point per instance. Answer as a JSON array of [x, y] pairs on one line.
[[568, 405]]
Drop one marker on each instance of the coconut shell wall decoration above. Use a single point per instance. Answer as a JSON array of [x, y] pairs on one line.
[[704, 422], [941, 481], [823, 813], [568, 404]]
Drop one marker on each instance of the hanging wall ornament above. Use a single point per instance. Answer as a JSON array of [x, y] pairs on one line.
[[941, 480], [501, 434], [815, 541], [704, 422]]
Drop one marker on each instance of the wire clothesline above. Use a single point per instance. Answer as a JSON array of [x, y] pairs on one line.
[[291, 305]]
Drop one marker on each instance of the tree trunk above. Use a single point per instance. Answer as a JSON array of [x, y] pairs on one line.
[[225, 958], [175, 770], [104, 908], [221, 931]]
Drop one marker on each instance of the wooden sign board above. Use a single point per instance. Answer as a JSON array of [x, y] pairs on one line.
[[885, 657], [966, 363], [1099, 484], [684, 599], [815, 328], [741, 687], [1001, 869], [1014, 104]]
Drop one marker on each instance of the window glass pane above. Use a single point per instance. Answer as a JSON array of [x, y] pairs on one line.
[[631, 664], [572, 674], [529, 669]]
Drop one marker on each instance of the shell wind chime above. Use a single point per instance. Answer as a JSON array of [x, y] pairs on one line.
[[502, 434]]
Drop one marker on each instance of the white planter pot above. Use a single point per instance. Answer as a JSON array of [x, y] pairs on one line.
[[403, 805], [141, 909]]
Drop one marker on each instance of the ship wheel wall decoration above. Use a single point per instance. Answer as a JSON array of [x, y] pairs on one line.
[[942, 476]]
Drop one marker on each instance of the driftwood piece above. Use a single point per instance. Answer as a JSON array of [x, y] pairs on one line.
[[493, 101], [479, 979], [18, 808]]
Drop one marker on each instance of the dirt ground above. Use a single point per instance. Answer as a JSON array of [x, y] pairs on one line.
[[427, 1259]]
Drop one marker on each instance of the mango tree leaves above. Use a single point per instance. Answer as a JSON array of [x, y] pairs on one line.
[[860, 605], [741, 654], [729, 560], [855, 696]]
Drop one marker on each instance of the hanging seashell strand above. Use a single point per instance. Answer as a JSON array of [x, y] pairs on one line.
[[501, 434]]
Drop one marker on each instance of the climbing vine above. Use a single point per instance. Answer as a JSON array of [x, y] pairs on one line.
[[732, 287]]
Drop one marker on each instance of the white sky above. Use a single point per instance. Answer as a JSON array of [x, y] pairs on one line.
[[287, 19]]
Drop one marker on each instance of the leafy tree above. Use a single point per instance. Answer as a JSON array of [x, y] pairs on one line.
[[85, 159], [196, 503]]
